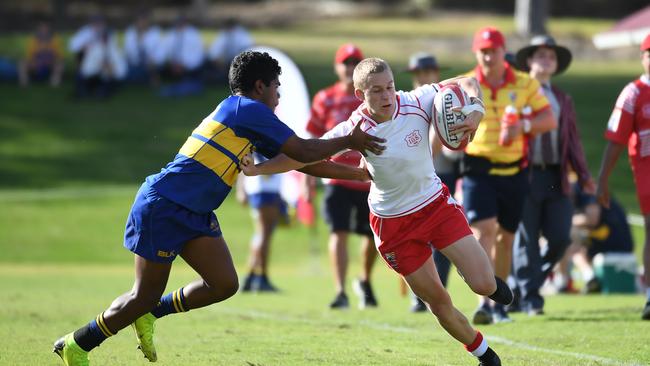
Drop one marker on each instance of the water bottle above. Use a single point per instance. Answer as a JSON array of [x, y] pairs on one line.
[[509, 119]]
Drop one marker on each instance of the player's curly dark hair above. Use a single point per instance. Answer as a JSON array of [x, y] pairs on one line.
[[250, 66]]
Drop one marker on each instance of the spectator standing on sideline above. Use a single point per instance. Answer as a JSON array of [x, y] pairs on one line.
[[232, 40], [494, 181], [424, 70], [630, 124], [43, 57], [141, 41], [345, 202], [552, 155], [262, 194]]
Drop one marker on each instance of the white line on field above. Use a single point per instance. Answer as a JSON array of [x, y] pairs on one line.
[[401, 329]]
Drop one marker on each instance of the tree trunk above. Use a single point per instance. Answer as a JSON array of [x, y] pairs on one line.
[[530, 17]]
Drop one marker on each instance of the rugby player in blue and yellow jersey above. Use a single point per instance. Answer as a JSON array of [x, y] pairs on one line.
[[173, 210]]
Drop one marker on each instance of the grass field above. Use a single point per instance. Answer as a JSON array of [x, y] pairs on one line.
[[72, 265], [69, 172]]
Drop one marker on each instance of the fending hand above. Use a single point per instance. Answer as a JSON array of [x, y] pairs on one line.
[[363, 142]]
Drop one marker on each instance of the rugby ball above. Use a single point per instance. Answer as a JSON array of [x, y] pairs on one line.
[[448, 97]]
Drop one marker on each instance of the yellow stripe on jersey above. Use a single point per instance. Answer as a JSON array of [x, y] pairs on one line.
[[212, 157], [520, 92]]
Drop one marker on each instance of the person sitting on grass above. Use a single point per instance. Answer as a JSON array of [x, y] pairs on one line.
[[596, 229], [44, 58]]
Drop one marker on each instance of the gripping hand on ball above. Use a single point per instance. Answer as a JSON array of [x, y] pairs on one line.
[[473, 114]]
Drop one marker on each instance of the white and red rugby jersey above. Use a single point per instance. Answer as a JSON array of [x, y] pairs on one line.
[[630, 121], [404, 179]]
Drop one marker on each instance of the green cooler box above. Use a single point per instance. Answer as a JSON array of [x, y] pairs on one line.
[[616, 272]]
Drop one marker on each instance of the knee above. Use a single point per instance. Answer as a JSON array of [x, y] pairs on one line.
[[441, 306], [484, 285], [438, 299], [227, 289], [231, 287], [338, 238], [145, 299], [485, 230], [504, 245], [224, 289]]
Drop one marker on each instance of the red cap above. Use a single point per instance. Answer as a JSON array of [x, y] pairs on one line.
[[347, 51], [488, 37], [646, 43]]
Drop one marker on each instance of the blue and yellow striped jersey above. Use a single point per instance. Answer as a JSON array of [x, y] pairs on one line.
[[207, 165]]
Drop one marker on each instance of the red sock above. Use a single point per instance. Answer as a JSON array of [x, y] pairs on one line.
[[478, 346]]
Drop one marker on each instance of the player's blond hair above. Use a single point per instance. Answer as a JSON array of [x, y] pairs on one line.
[[366, 67]]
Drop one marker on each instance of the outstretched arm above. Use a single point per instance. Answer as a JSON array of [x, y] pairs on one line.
[[279, 164], [323, 169], [329, 169], [469, 84], [313, 150]]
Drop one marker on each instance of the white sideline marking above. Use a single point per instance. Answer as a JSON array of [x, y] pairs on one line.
[[398, 329], [578, 355]]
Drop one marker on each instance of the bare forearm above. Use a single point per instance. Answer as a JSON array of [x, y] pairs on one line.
[[470, 85], [610, 157], [278, 164], [543, 122], [328, 169], [314, 150]]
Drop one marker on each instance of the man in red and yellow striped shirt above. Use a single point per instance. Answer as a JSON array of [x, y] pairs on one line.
[[494, 184]]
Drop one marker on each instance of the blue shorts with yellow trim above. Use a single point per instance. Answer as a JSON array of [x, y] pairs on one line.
[[157, 228]]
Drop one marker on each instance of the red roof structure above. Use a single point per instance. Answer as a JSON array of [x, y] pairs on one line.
[[630, 31]]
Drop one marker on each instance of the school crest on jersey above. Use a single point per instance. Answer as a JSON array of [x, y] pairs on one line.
[[413, 139], [391, 259]]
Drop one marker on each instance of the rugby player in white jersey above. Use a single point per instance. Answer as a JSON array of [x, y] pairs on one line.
[[411, 210]]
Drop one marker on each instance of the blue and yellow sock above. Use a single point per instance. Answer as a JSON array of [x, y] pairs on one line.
[[93, 334], [171, 303]]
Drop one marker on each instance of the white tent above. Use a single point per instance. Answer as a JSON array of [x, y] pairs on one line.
[[630, 31]]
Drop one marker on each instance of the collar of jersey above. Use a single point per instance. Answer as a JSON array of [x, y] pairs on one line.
[[510, 76], [645, 79]]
